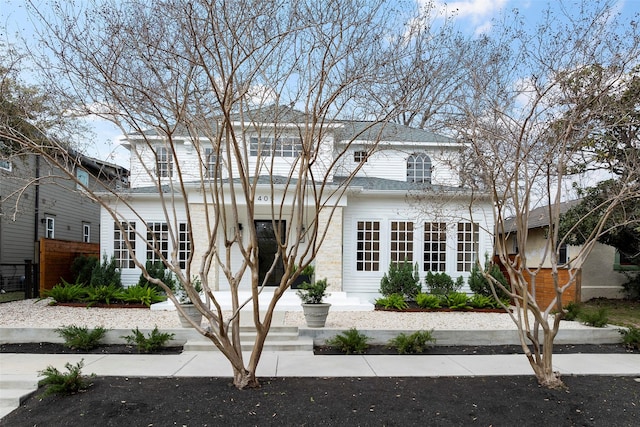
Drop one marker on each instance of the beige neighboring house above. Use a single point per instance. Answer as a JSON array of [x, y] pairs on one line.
[[602, 274]]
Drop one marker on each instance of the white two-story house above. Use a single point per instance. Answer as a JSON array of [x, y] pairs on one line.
[[403, 201]]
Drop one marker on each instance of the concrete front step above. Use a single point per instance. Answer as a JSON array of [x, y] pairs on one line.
[[298, 344], [14, 389]]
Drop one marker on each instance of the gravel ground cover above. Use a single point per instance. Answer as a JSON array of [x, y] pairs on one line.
[[39, 314]]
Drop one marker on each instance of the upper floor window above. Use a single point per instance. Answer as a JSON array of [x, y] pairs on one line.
[[6, 165], [278, 147], [360, 156], [419, 168], [83, 178], [164, 162], [210, 162], [86, 232], [50, 227]]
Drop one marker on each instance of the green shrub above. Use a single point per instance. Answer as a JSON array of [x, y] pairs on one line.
[[417, 342], [428, 300], [598, 319], [393, 301], [66, 292], [60, 383], [138, 294], [81, 338], [480, 285], [148, 344], [106, 273], [457, 301], [482, 301], [103, 294], [313, 293], [572, 311], [350, 341], [442, 283], [631, 287], [402, 278], [82, 268], [631, 337], [157, 270]]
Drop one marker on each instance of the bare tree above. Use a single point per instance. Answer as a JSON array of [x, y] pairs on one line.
[[206, 93], [530, 112]]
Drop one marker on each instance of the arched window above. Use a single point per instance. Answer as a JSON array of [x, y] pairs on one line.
[[419, 168]]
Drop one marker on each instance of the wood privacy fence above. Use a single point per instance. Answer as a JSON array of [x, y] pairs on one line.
[[545, 289], [56, 257]]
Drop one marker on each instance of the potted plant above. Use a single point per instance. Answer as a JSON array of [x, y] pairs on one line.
[[306, 275], [187, 305], [312, 296]]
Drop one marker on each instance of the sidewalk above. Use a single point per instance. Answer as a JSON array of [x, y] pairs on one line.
[[306, 364]]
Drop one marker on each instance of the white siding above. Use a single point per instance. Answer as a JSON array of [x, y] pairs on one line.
[[396, 208]]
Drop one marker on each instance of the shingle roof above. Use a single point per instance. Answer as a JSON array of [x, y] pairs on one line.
[[539, 217]]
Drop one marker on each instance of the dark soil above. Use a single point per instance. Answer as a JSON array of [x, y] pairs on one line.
[[54, 348], [374, 401]]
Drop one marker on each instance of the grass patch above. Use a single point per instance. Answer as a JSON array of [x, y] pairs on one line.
[[619, 312]]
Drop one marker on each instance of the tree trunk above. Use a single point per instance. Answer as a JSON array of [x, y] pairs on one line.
[[543, 366], [245, 379]]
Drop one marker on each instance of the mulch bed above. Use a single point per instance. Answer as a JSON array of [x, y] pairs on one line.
[[55, 348], [371, 401], [101, 305]]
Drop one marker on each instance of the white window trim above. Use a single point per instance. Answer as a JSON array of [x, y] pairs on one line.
[[50, 227]]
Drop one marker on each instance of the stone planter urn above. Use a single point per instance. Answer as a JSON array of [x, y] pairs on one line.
[[316, 314], [193, 313]]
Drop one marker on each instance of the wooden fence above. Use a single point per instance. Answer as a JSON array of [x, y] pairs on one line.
[[56, 257], [545, 289]]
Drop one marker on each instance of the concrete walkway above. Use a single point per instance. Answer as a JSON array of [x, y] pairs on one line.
[[306, 364]]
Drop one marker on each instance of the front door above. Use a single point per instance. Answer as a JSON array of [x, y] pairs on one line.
[[267, 251]]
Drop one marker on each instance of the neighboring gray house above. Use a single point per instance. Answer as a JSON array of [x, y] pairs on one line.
[[602, 272], [37, 199]]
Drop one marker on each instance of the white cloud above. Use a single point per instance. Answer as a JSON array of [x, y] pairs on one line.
[[476, 10]]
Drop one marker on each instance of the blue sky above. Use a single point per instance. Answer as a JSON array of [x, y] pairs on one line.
[[472, 16]]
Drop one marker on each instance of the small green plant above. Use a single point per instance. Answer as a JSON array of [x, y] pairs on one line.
[[60, 383], [393, 301], [106, 273], [572, 311], [597, 319], [148, 344], [313, 293], [181, 293], [402, 278], [428, 300], [457, 301], [351, 341], [482, 301], [441, 283], [417, 342], [82, 268], [66, 292], [157, 270], [631, 337], [81, 338], [146, 295], [103, 294]]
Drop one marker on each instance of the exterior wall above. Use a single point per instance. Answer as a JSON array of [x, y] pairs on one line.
[[391, 163], [328, 261], [17, 229], [599, 278], [192, 166], [386, 208], [58, 198]]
